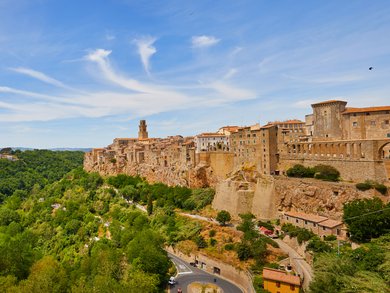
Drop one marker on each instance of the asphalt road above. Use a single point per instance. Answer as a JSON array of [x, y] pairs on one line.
[[188, 274], [303, 267]]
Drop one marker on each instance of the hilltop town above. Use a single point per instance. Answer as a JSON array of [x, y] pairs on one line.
[[247, 164]]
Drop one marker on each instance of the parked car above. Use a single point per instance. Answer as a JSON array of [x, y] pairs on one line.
[[193, 264], [172, 281], [179, 290]]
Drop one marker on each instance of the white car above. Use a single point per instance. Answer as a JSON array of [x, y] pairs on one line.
[[172, 281]]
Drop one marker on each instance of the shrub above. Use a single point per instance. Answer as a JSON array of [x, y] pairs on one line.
[[300, 171], [326, 172], [381, 188], [212, 233], [363, 186], [200, 242], [330, 238], [244, 251], [213, 241], [229, 246]]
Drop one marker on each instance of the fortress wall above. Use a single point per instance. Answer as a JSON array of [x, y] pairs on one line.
[[272, 195], [351, 170]]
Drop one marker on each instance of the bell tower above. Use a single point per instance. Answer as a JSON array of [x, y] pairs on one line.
[[142, 133]]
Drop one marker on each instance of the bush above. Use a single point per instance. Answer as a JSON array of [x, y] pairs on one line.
[[326, 172], [330, 238], [381, 188], [213, 241], [244, 251], [212, 233], [300, 171], [372, 184], [363, 186], [200, 242], [229, 246]]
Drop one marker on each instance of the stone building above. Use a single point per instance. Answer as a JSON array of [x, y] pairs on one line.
[[206, 142], [319, 225]]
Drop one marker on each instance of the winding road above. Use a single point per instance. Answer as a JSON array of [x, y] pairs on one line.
[[187, 274]]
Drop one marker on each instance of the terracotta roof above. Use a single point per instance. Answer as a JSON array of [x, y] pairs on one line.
[[328, 102], [308, 217], [229, 128], [330, 223], [280, 276], [291, 121], [210, 134], [368, 109]]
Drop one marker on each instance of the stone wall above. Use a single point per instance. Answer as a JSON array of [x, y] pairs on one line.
[[351, 170], [268, 196]]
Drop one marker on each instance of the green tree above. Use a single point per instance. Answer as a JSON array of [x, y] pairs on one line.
[[223, 217], [366, 219]]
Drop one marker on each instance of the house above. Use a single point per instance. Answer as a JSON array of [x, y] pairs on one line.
[[319, 225], [277, 281]]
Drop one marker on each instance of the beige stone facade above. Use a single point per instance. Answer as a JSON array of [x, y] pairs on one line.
[[320, 225]]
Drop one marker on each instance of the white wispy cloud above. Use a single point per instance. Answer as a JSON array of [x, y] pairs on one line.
[[38, 75], [230, 73], [204, 41], [135, 98], [146, 50]]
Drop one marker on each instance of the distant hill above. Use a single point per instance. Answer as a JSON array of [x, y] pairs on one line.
[[54, 149]]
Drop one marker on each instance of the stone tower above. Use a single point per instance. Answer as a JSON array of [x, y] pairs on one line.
[[327, 120], [142, 133]]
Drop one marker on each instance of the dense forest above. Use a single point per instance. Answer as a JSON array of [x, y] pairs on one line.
[[35, 168]]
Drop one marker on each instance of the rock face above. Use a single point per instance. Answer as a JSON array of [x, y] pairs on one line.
[[265, 197]]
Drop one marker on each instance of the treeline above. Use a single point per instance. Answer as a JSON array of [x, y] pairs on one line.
[[35, 168]]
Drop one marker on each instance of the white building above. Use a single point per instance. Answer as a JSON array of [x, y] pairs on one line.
[[211, 142]]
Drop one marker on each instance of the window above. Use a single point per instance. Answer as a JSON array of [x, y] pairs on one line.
[[323, 228], [305, 222], [387, 122], [354, 124], [292, 287], [314, 225], [278, 284], [296, 221]]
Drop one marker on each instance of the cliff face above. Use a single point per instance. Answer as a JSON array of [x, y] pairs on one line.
[[266, 196], [174, 174]]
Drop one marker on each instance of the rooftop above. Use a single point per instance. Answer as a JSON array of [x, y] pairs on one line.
[[328, 102], [308, 217], [330, 223], [280, 276], [367, 109]]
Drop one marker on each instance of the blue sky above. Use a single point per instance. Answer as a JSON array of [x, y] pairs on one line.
[[80, 73]]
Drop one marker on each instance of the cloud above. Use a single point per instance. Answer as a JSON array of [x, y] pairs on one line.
[[135, 99], [230, 73], [204, 41], [38, 75], [146, 51]]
